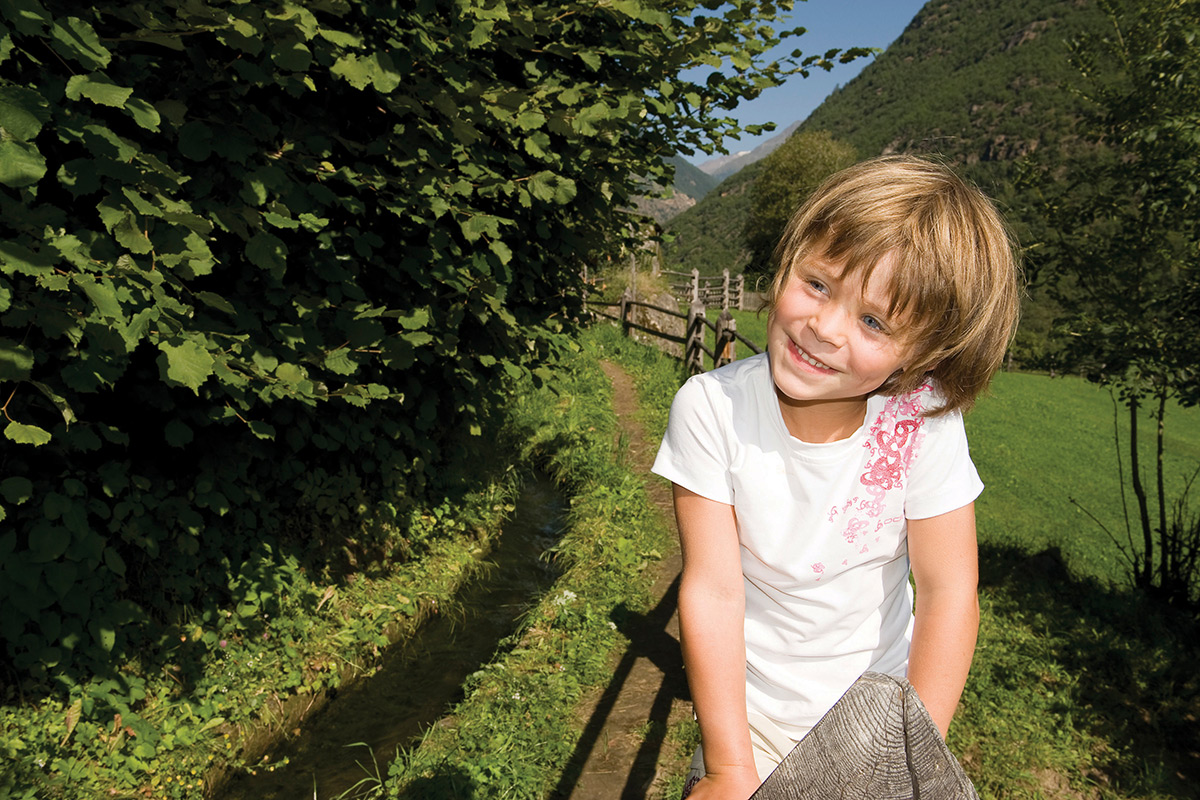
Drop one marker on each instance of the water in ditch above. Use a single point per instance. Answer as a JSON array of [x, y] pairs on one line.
[[419, 680]]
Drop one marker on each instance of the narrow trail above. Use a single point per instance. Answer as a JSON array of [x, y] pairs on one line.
[[623, 753]]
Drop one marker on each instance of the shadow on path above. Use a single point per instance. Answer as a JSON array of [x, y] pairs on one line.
[[650, 641]]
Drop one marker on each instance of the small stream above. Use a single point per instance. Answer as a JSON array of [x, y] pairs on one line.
[[418, 681]]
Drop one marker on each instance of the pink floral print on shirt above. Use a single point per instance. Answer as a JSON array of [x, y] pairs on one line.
[[893, 441]]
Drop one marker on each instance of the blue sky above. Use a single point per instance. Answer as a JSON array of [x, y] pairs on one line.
[[830, 23]]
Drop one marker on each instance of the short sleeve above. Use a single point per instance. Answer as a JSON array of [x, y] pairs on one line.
[[695, 452], [942, 478]]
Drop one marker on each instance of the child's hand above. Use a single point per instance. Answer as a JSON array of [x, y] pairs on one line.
[[737, 783]]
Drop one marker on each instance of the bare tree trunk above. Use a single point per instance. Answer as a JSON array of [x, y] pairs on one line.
[[1166, 550], [1145, 580]]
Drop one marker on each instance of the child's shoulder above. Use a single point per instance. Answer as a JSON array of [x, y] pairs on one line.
[[734, 384], [743, 371]]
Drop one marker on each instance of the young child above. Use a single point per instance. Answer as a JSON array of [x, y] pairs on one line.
[[810, 479]]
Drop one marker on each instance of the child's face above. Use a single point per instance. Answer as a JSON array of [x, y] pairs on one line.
[[829, 337]]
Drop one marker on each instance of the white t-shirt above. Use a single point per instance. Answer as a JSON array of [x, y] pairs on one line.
[[821, 526]]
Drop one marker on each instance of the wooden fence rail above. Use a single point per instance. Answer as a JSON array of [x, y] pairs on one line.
[[714, 291], [725, 328]]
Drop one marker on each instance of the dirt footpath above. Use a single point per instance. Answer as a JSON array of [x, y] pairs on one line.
[[623, 753]]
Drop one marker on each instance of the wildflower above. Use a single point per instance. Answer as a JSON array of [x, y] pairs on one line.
[[223, 643], [564, 598]]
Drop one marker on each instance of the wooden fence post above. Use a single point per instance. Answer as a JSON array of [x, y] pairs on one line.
[[726, 347], [741, 291], [626, 298], [695, 285], [693, 349]]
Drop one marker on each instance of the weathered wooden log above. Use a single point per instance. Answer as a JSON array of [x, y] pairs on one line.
[[877, 743]]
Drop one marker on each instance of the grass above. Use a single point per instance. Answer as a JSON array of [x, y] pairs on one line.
[[1040, 442], [1081, 686]]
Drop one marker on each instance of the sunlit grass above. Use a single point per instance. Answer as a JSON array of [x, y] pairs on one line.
[[1041, 442]]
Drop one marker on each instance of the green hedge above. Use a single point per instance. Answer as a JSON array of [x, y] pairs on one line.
[[264, 263]]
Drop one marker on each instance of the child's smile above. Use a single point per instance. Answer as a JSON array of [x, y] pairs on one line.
[[831, 343]]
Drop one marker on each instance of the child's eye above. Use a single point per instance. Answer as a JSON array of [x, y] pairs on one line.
[[873, 323], [816, 285]]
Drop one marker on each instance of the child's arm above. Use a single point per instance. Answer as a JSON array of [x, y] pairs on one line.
[[945, 566], [712, 606]]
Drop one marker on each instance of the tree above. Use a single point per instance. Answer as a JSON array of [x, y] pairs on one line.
[[788, 176], [1125, 216]]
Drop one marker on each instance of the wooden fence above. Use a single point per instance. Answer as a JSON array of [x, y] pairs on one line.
[[715, 291], [725, 346]]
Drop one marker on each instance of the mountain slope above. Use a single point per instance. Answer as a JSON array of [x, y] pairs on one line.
[[689, 187], [724, 166], [977, 82]]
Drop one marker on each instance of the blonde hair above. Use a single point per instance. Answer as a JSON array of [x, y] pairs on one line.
[[955, 275]]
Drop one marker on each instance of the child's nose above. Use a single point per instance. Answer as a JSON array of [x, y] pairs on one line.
[[829, 323]]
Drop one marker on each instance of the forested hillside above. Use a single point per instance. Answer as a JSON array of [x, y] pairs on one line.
[[979, 83]]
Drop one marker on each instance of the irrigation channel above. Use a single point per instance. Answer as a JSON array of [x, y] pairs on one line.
[[418, 681]]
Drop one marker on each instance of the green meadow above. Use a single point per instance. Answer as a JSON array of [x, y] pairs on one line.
[[1046, 448]]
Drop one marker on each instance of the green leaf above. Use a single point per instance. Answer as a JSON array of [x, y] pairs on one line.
[[23, 112], [339, 361], [143, 113], [129, 234], [187, 364], [26, 434], [553, 188], [289, 373], [64, 408], [261, 429], [20, 164], [105, 636], [113, 560], [502, 251], [177, 433], [22, 260], [416, 320], [16, 490], [529, 120], [292, 56], [278, 220], [268, 251], [479, 225], [77, 40], [61, 575], [216, 301], [538, 145], [102, 295], [353, 70], [360, 72], [99, 89], [16, 360], [48, 542]]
